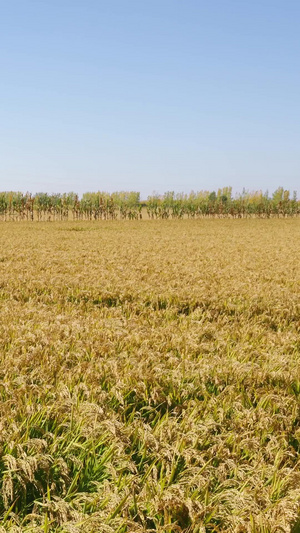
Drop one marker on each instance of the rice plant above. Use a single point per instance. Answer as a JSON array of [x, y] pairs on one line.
[[149, 371]]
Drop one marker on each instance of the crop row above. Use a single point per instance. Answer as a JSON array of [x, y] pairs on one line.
[[128, 205]]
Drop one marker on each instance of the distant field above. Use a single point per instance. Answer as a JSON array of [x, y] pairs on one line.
[[122, 205], [150, 376]]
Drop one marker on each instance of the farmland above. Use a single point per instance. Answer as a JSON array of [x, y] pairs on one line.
[[127, 205], [150, 376]]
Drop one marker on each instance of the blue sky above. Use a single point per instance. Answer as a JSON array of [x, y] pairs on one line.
[[149, 95]]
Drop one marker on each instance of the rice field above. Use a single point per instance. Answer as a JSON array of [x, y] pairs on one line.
[[150, 376]]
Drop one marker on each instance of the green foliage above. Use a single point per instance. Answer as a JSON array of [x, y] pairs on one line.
[[128, 205]]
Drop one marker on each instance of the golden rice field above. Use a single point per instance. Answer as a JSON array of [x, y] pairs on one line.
[[150, 376]]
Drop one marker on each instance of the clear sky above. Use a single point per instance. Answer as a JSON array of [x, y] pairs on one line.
[[149, 95]]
